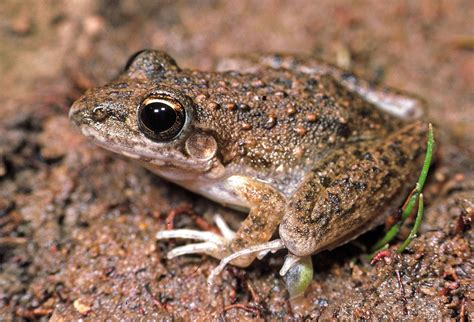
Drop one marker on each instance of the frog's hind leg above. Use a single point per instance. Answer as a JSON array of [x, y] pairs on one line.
[[370, 185]]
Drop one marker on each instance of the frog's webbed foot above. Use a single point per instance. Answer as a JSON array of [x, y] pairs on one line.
[[211, 244]]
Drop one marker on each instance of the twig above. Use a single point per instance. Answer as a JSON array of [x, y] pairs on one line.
[[34, 313], [402, 292], [13, 241], [157, 303], [255, 297], [241, 306], [173, 213], [380, 255], [186, 210], [462, 312]]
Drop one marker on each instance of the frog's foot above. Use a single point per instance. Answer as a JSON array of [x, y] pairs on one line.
[[212, 244], [260, 249], [290, 262]]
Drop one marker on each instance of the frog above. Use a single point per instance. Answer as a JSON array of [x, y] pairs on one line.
[[315, 155]]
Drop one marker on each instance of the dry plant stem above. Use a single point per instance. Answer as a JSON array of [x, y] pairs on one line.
[[402, 292], [244, 307], [187, 210]]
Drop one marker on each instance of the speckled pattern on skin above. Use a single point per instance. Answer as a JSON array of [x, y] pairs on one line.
[[307, 147]]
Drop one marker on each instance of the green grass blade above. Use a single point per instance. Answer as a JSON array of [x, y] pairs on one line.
[[416, 227], [428, 158], [422, 178]]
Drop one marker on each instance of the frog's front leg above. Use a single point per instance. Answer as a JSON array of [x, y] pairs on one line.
[[266, 210]]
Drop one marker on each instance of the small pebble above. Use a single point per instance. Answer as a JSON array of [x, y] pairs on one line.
[[246, 126]]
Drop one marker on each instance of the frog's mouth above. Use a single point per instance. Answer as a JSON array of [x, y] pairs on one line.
[[167, 158]]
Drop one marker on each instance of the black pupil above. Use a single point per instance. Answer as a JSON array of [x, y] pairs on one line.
[[158, 116]]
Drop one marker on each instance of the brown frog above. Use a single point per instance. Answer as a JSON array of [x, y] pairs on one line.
[[308, 149]]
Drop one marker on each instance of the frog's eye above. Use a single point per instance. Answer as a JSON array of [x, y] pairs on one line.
[[161, 118], [149, 64]]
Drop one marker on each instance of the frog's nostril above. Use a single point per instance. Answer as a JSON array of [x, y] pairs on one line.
[[83, 112], [99, 113]]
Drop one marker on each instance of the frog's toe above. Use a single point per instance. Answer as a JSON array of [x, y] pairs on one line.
[[204, 236], [208, 248], [264, 248], [225, 230], [212, 244]]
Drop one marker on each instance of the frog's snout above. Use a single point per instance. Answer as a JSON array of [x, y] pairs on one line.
[[76, 113], [82, 114]]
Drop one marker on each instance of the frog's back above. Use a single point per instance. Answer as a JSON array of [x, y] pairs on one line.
[[275, 124]]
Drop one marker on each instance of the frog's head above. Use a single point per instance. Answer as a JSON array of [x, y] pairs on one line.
[[140, 117]]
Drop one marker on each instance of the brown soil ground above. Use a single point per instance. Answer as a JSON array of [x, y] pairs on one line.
[[77, 224]]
